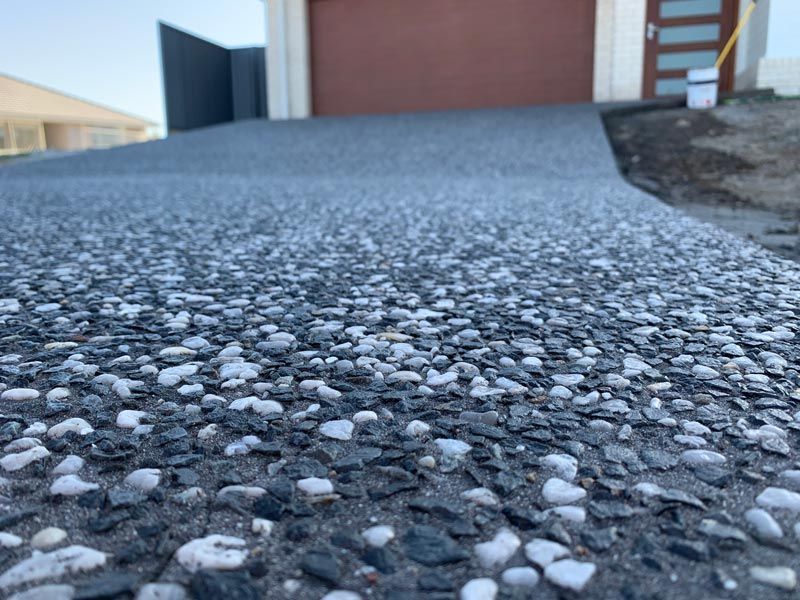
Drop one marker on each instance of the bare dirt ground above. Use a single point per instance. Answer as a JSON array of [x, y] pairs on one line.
[[737, 166]]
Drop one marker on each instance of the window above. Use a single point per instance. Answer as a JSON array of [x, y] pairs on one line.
[[5, 142], [26, 137], [105, 137]]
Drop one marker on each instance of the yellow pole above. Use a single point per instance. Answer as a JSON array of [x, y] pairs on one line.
[[735, 35]]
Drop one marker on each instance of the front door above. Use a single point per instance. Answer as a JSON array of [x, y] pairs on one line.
[[682, 35]]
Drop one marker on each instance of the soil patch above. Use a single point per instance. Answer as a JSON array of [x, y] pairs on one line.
[[737, 166]]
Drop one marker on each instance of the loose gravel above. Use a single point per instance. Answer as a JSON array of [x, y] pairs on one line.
[[435, 356]]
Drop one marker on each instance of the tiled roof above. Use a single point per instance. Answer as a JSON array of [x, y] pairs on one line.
[[23, 100]]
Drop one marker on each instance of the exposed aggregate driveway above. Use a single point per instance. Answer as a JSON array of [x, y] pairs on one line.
[[432, 356]]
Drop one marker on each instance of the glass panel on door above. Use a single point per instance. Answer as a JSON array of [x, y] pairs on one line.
[[672, 86], [688, 34], [672, 61], [671, 9]]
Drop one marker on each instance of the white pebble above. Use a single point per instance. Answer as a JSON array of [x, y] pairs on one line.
[[130, 419], [558, 491], [58, 393], [341, 595], [19, 394], [565, 465], [218, 552], [248, 491], [339, 430], [177, 351], [576, 514], [479, 589], [262, 407], [143, 430], [75, 424], [427, 462], [532, 361], [237, 448], [480, 496], [443, 379], [779, 498], [48, 565], [173, 375], [542, 552], [452, 448], [695, 428], [144, 479], [162, 591], [9, 540], [780, 577], [702, 372], [648, 489], [262, 527], [195, 343], [702, 457], [20, 444], [364, 416], [570, 574], [328, 393], [498, 551], [378, 536], [559, 391], [194, 389], [309, 385], [315, 486], [520, 577], [71, 485], [37, 428], [764, 524], [207, 432], [48, 537], [409, 376], [20, 460], [568, 379], [417, 428]]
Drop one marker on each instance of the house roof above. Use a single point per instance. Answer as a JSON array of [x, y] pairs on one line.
[[23, 100]]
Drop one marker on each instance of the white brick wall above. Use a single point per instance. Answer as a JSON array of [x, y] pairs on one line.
[[751, 45], [782, 74], [619, 49], [603, 48], [288, 66]]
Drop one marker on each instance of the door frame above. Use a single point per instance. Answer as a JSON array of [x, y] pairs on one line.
[[727, 20]]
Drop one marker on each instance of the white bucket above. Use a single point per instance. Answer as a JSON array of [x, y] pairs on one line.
[[701, 87]]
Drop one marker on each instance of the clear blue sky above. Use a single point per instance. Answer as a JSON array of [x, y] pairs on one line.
[[107, 50], [784, 29]]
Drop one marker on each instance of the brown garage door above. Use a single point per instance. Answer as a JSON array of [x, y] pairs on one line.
[[381, 56]]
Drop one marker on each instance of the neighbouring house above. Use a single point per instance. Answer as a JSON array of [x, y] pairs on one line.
[[206, 84], [335, 57], [35, 118]]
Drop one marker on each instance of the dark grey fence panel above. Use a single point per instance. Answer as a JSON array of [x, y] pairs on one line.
[[249, 83], [205, 83]]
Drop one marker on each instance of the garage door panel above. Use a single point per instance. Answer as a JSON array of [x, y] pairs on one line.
[[379, 56]]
